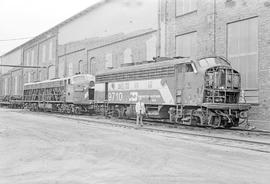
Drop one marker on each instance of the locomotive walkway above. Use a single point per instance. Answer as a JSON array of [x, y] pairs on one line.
[[43, 148]]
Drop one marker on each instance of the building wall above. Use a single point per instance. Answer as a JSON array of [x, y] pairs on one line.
[[69, 63], [41, 52], [13, 58], [92, 56], [6, 84], [38, 52], [211, 20], [112, 17], [16, 86]]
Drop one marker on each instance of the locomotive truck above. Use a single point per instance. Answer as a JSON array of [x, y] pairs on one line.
[[204, 92]]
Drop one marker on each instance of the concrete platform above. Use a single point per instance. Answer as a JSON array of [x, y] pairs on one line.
[[39, 149]]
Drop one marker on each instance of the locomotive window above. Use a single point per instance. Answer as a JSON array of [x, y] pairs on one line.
[[189, 68], [209, 62], [185, 68], [68, 81]]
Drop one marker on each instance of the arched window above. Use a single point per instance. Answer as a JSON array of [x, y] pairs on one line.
[[40, 75], [92, 65], [128, 56], [80, 66], [51, 71]]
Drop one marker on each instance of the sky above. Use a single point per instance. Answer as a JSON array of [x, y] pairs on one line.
[[29, 18]]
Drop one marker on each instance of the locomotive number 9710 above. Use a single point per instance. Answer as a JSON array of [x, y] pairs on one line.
[[115, 96]]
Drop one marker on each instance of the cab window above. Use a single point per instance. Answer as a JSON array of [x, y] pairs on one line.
[[183, 68]]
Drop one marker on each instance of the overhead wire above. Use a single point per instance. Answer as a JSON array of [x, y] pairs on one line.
[[15, 39]]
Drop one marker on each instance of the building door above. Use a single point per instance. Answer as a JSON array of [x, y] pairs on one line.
[[242, 51]]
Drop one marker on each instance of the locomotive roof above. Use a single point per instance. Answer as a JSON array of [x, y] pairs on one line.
[[146, 66], [54, 80], [45, 81]]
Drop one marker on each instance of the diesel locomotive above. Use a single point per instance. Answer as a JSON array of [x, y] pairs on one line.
[[73, 94], [204, 92]]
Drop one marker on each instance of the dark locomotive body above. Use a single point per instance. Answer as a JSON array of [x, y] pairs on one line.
[[204, 92], [74, 94]]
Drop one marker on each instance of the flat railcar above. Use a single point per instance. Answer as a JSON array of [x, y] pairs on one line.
[[204, 92]]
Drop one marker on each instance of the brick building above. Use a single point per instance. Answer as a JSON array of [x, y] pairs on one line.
[[92, 55], [236, 29]]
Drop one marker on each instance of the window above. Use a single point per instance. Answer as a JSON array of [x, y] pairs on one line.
[[51, 71], [15, 85], [33, 75], [186, 45], [189, 68], [61, 67], [242, 51], [80, 67], [44, 53], [184, 68], [108, 59], [70, 69], [51, 50], [6, 86], [28, 59], [32, 60], [40, 75], [185, 6], [28, 77], [127, 56], [92, 65]]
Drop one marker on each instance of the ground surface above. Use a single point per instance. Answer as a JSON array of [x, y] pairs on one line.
[[39, 149]]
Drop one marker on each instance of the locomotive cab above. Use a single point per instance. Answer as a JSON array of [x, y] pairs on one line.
[[221, 92], [221, 81], [80, 88]]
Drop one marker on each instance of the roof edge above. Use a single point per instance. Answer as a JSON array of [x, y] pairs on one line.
[[56, 27]]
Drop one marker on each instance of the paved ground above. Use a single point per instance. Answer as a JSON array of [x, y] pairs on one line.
[[43, 149], [261, 125]]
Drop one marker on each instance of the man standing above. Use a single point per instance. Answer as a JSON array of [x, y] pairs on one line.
[[140, 110]]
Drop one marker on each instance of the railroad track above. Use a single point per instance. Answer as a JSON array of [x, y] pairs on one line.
[[213, 136], [207, 129]]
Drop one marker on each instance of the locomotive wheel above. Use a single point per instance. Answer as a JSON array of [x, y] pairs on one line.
[[215, 121], [76, 110], [194, 120], [178, 120], [116, 113]]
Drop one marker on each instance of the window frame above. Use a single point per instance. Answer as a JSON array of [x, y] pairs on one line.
[[185, 34], [187, 12]]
